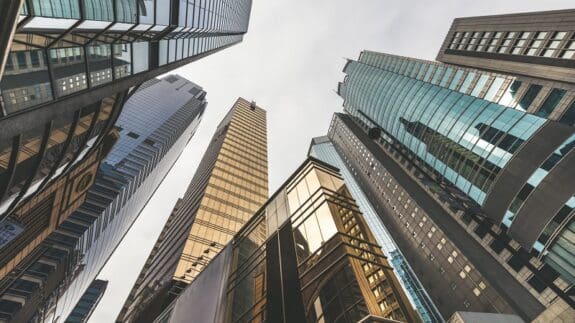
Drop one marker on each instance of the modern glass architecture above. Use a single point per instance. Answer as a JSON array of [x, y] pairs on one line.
[[155, 125], [230, 184], [62, 58], [322, 149], [493, 144], [86, 305], [306, 255]]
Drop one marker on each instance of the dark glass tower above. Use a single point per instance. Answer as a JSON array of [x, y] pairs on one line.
[[230, 184], [62, 58], [155, 125], [491, 147], [306, 255], [88, 302]]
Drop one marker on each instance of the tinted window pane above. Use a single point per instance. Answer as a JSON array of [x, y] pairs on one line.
[[69, 70], [122, 60], [569, 116], [99, 10], [551, 102], [140, 56], [57, 8], [28, 86], [529, 96], [100, 63], [126, 11]]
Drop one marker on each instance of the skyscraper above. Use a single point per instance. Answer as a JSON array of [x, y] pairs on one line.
[[155, 125], [306, 256], [86, 305], [479, 158], [63, 57], [229, 185], [322, 149]]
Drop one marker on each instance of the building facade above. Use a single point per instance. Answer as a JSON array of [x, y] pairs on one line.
[[27, 267], [62, 57], [229, 185], [151, 140], [493, 148], [323, 149], [306, 256], [88, 302], [536, 44]]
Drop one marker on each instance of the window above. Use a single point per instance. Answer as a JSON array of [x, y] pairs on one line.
[[529, 96], [553, 44], [569, 115], [551, 102], [133, 135]]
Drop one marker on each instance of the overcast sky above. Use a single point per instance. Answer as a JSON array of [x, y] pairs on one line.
[[290, 63]]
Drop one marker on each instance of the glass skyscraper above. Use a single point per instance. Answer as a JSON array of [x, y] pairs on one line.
[[322, 149], [155, 125], [65, 62], [230, 184], [490, 139], [306, 255]]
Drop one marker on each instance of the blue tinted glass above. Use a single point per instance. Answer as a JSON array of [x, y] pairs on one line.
[[467, 82], [102, 10], [479, 85], [126, 11], [456, 79], [551, 102], [57, 8]]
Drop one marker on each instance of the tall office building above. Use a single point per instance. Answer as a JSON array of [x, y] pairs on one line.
[[230, 184], [307, 255], [86, 305], [60, 58], [155, 125], [475, 165], [322, 149]]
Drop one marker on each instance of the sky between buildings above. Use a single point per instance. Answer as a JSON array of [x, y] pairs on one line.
[[290, 63]]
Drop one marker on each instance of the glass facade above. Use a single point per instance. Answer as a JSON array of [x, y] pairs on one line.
[[306, 256], [461, 137], [39, 155], [126, 180], [229, 185], [86, 305], [322, 149]]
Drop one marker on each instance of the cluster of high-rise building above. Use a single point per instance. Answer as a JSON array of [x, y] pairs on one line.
[[445, 191]]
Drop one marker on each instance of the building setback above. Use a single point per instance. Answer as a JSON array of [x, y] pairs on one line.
[[306, 256], [323, 149], [488, 148], [154, 127], [88, 302], [229, 185]]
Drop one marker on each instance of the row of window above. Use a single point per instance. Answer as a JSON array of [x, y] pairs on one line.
[[27, 81], [559, 44], [541, 100]]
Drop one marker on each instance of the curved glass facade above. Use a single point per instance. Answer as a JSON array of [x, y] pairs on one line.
[[451, 131]]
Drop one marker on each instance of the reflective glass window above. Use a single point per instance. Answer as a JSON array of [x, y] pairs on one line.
[[509, 96], [494, 88], [126, 11], [172, 50], [163, 52], [57, 8], [28, 86], [569, 115], [456, 79], [163, 12], [122, 60], [141, 54], [102, 10], [529, 96], [69, 69], [28, 155], [479, 85], [467, 82], [146, 8], [180, 48], [551, 102], [100, 64]]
